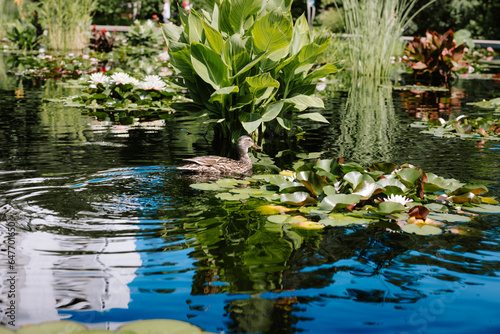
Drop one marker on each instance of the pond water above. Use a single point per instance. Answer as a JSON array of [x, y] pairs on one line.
[[108, 231]]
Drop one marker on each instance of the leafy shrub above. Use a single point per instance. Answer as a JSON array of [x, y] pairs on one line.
[[102, 40], [24, 35], [247, 65], [437, 54], [144, 34]]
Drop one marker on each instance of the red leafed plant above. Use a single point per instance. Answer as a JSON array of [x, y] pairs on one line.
[[437, 55]]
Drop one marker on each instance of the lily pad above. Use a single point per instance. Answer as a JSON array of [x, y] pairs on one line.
[[232, 197], [159, 326], [208, 186], [448, 217], [53, 327], [309, 225], [387, 208], [483, 208], [278, 219], [272, 209], [424, 230], [339, 219]]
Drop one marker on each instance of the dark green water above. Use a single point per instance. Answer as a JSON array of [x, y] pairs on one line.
[[110, 232]]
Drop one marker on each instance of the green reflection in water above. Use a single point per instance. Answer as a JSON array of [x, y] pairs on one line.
[[367, 123]]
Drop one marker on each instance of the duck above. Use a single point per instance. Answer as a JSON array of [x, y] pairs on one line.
[[221, 165]]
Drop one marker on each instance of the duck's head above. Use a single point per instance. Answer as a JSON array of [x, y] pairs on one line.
[[245, 142]]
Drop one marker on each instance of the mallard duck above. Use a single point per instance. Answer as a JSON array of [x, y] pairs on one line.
[[220, 165]]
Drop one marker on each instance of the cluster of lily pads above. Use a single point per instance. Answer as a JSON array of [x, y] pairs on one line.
[[329, 192], [157, 326], [464, 127], [47, 66], [123, 91]]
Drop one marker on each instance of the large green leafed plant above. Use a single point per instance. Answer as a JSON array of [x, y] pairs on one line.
[[246, 65]]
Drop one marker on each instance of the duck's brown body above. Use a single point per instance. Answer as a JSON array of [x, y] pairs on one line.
[[220, 165]]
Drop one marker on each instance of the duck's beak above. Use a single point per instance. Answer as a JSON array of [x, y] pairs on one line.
[[257, 146]]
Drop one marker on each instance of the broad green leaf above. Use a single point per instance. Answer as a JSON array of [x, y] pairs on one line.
[[338, 201], [296, 198], [312, 181], [366, 189], [272, 209], [272, 111], [208, 186], [250, 121], [232, 197], [235, 53], [261, 81], [300, 35], [339, 219], [195, 27], [285, 123], [483, 208], [387, 208], [424, 230], [171, 32], [315, 116], [208, 65], [157, 326], [272, 32], [240, 11], [51, 327], [435, 183], [180, 58], [321, 72], [409, 176], [448, 217], [354, 178], [220, 94], [385, 167], [310, 53], [278, 219], [303, 102], [214, 38], [476, 189]]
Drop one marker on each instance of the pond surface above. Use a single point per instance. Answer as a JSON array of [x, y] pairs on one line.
[[109, 231]]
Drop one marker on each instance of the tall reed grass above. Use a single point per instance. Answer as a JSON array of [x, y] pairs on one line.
[[67, 23], [376, 28], [8, 13]]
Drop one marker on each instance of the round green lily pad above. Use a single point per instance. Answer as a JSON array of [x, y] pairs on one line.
[[232, 197], [483, 208], [53, 327], [278, 219], [208, 186], [448, 217], [424, 230], [159, 326]]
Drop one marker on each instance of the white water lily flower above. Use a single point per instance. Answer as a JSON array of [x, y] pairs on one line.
[[122, 78], [153, 82], [98, 78], [398, 199]]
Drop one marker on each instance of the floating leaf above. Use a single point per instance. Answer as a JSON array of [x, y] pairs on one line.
[[489, 200], [448, 217], [476, 189], [312, 181], [272, 209], [424, 230], [278, 219], [232, 197], [53, 327], [483, 208], [208, 186], [309, 225], [419, 212], [388, 207], [296, 198], [409, 176], [159, 326], [338, 201], [339, 219]]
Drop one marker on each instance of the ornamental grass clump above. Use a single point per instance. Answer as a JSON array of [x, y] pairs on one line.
[[247, 66], [376, 28], [67, 23]]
